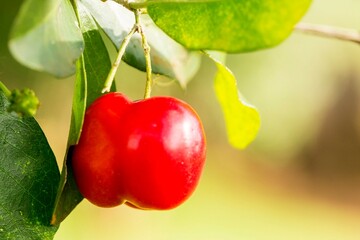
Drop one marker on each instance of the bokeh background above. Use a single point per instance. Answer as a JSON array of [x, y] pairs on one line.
[[300, 179]]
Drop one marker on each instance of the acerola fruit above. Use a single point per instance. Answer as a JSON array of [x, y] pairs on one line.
[[148, 154]]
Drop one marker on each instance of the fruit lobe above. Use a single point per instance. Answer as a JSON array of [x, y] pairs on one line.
[[148, 154]]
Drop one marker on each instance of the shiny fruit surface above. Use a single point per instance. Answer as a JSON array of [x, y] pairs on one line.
[[148, 154]]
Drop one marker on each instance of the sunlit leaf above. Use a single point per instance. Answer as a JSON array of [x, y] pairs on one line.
[[167, 56], [228, 25], [29, 177], [46, 37], [242, 119], [92, 69]]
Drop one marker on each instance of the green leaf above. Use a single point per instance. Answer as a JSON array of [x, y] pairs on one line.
[[242, 119], [228, 25], [167, 56], [45, 37], [29, 177], [92, 70]]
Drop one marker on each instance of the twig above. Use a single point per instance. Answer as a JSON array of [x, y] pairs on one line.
[[329, 31]]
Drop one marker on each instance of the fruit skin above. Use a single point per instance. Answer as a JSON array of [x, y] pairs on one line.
[[148, 154]]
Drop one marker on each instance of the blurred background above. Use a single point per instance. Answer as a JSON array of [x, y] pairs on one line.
[[300, 179]]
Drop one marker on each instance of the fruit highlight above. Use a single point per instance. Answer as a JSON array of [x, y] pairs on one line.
[[148, 154]]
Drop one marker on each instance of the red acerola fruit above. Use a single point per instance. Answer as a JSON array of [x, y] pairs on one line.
[[148, 154]]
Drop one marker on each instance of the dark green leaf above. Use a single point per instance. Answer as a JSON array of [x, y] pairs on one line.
[[45, 37], [92, 69], [228, 25], [29, 178], [167, 56], [242, 119], [96, 62]]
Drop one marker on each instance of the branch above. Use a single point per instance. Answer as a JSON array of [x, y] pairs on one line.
[[329, 31]]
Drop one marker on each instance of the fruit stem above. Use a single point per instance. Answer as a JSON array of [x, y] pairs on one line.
[[6, 91], [146, 48], [110, 78]]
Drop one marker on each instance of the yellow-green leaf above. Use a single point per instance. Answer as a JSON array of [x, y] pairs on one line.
[[228, 25], [242, 119]]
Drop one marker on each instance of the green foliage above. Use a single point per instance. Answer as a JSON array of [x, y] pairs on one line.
[[242, 119], [228, 25], [96, 62], [45, 37], [61, 37], [29, 178], [167, 56], [92, 68]]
